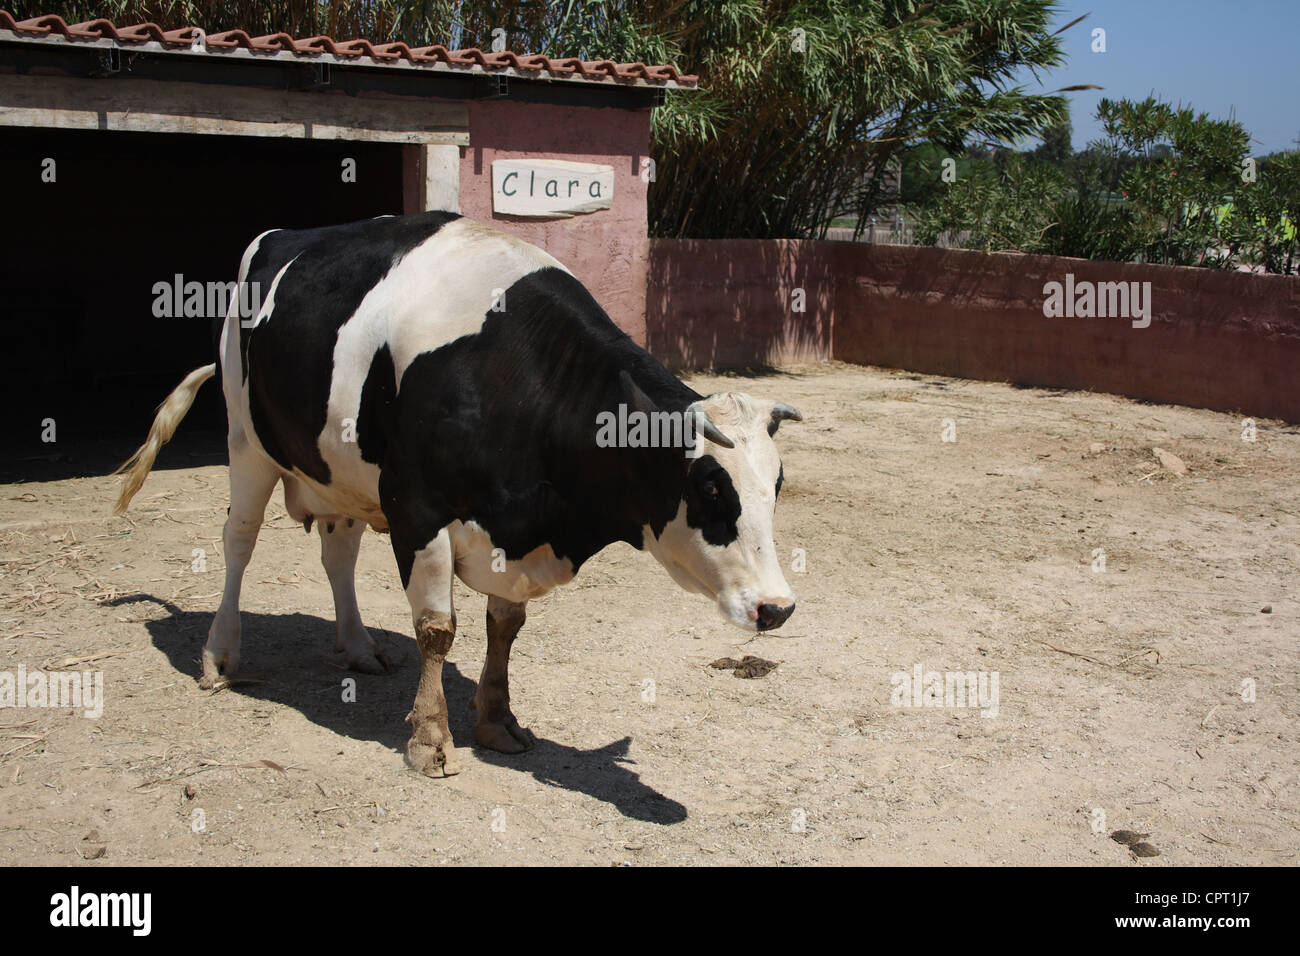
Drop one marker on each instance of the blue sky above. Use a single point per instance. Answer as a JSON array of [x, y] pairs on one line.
[[1213, 56]]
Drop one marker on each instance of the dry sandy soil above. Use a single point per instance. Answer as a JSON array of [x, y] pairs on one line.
[[1120, 692]]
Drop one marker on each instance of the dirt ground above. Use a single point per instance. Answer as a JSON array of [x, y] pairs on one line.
[[1121, 692]]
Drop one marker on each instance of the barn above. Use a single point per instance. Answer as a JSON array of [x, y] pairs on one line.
[[140, 162]]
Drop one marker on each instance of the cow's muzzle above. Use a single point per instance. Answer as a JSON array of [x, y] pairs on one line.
[[772, 616]]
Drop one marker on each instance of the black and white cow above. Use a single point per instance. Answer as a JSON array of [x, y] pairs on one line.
[[442, 381]]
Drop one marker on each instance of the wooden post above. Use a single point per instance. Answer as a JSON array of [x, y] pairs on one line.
[[430, 178]]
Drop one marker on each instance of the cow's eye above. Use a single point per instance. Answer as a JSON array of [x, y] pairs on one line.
[[712, 504]]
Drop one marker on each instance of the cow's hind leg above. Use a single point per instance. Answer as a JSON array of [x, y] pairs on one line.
[[252, 479], [428, 590], [497, 728], [340, 543]]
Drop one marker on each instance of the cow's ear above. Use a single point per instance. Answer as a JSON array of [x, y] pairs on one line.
[[782, 412], [636, 398]]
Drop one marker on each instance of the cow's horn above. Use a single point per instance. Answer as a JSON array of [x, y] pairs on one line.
[[640, 400], [781, 411], [710, 430]]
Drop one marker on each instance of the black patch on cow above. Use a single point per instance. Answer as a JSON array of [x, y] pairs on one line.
[[499, 427], [377, 396], [288, 360], [712, 503], [780, 480]]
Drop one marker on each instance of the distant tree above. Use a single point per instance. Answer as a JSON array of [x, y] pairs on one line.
[[1057, 147], [925, 166], [807, 102]]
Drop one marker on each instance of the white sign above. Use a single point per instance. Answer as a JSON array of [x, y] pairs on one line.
[[552, 188]]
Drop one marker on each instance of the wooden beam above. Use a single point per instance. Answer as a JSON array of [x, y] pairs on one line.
[[146, 106]]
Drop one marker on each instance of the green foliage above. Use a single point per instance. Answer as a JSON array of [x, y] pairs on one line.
[[923, 170], [1262, 224], [1090, 227], [803, 124], [1007, 209], [1165, 184], [1187, 165]]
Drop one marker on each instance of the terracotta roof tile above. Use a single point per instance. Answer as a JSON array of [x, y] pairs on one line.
[[53, 27]]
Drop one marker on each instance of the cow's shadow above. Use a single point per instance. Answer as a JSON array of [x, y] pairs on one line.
[[288, 655]]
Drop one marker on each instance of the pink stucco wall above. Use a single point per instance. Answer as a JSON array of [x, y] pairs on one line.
[[607, 250], [1221, 340]]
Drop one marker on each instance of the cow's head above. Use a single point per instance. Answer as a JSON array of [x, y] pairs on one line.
[[719, 542]]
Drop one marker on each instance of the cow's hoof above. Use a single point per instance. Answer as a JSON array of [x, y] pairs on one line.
[[507, 737], [362, 653], [368, 662], [431, 760], [217, 664]]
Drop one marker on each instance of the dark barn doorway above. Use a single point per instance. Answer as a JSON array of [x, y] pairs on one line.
[[80, 258]]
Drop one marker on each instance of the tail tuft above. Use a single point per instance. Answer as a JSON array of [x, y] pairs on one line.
[[165, 423]]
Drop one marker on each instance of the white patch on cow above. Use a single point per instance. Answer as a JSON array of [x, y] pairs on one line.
[[232, 379], [443, 288], [232, 313], [358, 341], [268, 304], [429, 588], [531, 576], [303, 496], [247, 261], [241, 431]]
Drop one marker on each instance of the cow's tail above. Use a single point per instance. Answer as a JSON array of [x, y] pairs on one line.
[[165, 423]]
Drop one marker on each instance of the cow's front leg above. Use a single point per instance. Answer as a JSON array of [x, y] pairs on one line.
[[430, 749], [497, 728]]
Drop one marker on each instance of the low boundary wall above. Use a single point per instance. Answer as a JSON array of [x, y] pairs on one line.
[[1223, 340]]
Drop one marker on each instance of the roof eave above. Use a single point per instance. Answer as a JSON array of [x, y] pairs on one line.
[[285, 57]]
